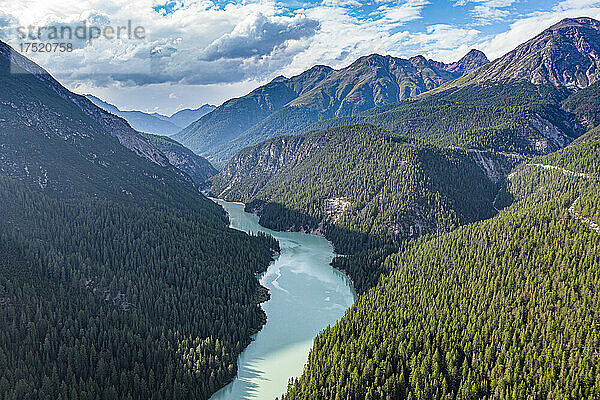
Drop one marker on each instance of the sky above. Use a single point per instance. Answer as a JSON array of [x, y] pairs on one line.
[[186, 53]]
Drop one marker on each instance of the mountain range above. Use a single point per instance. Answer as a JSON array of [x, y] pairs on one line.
[[522, 102], [155, 123], [563, 56], [288, 105], [484, 128], [463, 201]]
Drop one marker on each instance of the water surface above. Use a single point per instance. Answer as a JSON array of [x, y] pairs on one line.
[[307, 294]]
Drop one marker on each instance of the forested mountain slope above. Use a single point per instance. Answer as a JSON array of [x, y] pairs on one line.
[[505, 308], [117, 278], [103, 299], [535, 99], [585, 103], [198, 168], [362, 186], [287, 106], [573, 169], [592, 135], [505, 116]]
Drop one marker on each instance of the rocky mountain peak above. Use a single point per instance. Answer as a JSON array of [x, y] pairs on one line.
[[418, 60], [370, 60], [471, 61], [112, 124], [581, 22], [279, 78], [564, 55]]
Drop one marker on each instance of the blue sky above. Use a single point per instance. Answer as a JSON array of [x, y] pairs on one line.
[[204, 51]]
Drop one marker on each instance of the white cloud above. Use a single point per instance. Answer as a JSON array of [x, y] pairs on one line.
[[343, 37], [533, 24], [486, 12], [195, 43], [198, 42], [402, 11], [258, 35], [443, 42]]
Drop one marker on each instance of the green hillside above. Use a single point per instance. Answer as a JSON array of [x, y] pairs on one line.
[[505, 116], [590, 136], [361, 186], [506, 308], [117, 278], [585, 104], [110, 300]]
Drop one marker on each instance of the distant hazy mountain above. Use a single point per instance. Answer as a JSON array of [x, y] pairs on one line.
[[287, 105], [183, 118], [155, 123], [140, 121], [198, 168]]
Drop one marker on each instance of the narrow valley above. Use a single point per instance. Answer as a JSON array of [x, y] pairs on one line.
[[306, 296]]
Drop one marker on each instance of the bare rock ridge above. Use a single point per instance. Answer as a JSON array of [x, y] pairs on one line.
[[565, 55]]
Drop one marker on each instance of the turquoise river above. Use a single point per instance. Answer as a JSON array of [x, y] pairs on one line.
[[307, 295]]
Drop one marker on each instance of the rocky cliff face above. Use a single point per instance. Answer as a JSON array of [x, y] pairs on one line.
[[564, 55], [249, 170], [472, 61]]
